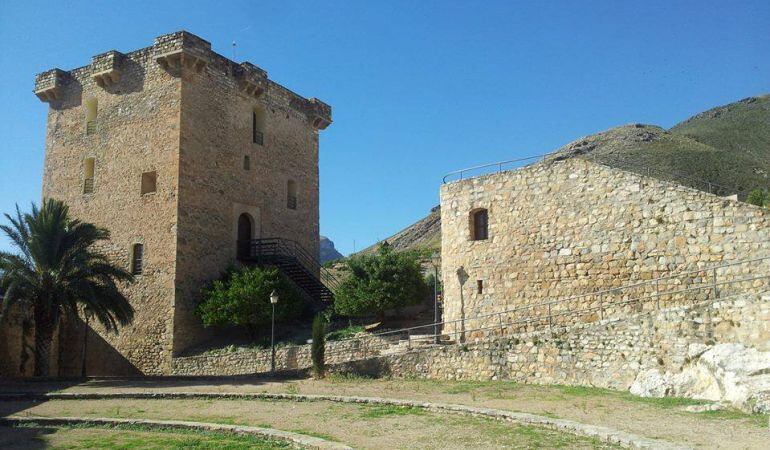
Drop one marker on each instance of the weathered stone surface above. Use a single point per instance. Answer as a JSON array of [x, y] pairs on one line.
[[175, 108], [723, 373], [562, 229], [613, 352]]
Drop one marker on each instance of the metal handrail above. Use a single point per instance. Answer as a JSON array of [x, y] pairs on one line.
[[292, 248], [369, 343], [594, 293], [564, 154], [499, 165], [546, 321]]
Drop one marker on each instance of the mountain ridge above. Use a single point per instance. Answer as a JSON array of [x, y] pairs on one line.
[[724, 150]]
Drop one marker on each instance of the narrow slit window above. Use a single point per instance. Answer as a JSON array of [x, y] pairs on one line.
[[479, 286], [137, 259], [92, 109], [258, 127], [246, 163], [89, 170], [479, 224], [291, 194], [149, 182]]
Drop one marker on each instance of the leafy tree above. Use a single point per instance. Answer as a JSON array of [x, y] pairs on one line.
[[378, 282], [759, 197], [317, 348], [57, 271], [242, 297]]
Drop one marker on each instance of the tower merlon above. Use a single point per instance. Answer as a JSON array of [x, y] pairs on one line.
[[106, 68], [48, 84], [182, 49], [319, 113], [252, 80]]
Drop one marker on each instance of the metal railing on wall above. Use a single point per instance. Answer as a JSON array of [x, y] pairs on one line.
[[681, 289], [618, 163]]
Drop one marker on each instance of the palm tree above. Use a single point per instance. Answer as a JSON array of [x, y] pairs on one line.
[[57, 271]]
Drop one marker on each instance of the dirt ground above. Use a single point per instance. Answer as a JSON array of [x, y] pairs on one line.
[[360, 426], [654, 418]]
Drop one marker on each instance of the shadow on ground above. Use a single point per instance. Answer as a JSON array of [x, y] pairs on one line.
[[13, 438]]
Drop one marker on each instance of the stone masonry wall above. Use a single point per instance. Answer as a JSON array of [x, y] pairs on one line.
[[609, 354], [137, 130], [287, 358], [215, 189], [564, 228], [183, 111]]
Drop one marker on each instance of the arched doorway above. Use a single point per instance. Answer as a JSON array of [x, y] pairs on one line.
[[245, 226]]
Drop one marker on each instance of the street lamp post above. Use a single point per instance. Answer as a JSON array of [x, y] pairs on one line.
[[273, 301]]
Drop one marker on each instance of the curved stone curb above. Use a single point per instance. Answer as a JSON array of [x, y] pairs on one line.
[[302, 440], [604, 434]]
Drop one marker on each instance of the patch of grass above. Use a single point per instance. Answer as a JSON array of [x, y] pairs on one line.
[[344, 333], [127, 436], [495, 389], [377, 412], [348, 378], [314, 434], [760, 420], [292, 388]]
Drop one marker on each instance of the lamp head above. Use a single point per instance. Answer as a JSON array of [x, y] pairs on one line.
[[274, 297]]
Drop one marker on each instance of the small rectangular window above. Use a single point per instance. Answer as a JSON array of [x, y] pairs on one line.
[[89, 170], [480, 286], [258, 127], [137, 259], [149, 182], [246, 163], [291, 194]]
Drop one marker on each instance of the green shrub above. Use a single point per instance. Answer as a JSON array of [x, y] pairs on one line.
[[317, 348], [759, 197], [242, 297], [345, 333], [381, 281]]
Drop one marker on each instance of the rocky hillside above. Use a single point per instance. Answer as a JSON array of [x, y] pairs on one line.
[[423, 234], [328, 252], [725, 150]]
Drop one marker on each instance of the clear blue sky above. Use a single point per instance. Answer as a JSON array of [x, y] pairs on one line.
[[419, 88]]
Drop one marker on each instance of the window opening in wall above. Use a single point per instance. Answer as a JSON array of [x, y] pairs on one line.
[[149, 182], [291, 194], [479, 225], [258, 126], [92, 107], [137, 259], [479, 286], [246, 162], [88, 175]]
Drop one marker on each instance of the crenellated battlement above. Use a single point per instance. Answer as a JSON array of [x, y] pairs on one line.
[[177, 53]]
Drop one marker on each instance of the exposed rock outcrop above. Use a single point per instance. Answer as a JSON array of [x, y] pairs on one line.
[[328, 252], [729, 373]]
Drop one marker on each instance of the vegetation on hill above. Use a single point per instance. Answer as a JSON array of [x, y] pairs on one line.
[[423, 235], [725, 151]]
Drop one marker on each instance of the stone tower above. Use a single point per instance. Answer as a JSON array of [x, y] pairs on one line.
[[180, 153]]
